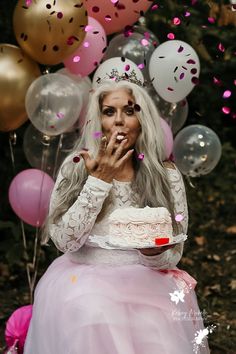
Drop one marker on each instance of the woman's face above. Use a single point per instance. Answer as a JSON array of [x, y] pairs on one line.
[[118, 115]]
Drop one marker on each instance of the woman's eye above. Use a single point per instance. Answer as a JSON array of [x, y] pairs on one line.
[[108, 112], [129, 111]]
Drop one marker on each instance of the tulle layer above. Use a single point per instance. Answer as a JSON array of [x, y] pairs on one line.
[[102, 309]]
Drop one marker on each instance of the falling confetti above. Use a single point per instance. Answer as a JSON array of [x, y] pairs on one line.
[[176, 21], [226, 110], [227, 94], [221, 47], [76, 159], [76, 59], [171, 36], [97, 135], [141, 156], [60, 115]]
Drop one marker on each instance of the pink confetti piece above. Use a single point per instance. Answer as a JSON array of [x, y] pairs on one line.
[[154, 7], [211, 19], [221, 47], [187, 14], [60, 115], [108, 18], [114, 1], [147, 35], [176, 21], [144, 42], [97, 135], [76, 59], [28, 2], [141, 156], [141, 66], [171, 36], [179, 217], [88, 28], [227, 94], [127, 67], [86, 44], [226, 110]]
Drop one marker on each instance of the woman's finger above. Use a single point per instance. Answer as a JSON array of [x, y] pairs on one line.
[[102, 147], [125, 157], [111, 144], [119, 150]]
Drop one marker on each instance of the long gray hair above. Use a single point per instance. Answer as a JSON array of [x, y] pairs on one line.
[[150, 177]]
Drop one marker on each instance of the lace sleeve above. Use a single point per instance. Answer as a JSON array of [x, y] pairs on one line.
[[170, 258], [72, 230]]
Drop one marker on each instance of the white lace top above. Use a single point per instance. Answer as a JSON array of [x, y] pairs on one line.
[[77, 232]]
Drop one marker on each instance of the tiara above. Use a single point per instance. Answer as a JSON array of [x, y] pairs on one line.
[[115, 76]]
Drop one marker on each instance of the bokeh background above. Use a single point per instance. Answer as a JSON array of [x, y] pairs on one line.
[[210, 251]]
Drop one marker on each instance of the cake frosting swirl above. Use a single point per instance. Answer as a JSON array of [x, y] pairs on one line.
[[140, 227]]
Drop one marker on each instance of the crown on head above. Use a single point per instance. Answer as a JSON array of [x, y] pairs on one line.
[[115, 76]]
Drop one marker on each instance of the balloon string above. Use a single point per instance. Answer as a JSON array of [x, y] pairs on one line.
[[57, 155]]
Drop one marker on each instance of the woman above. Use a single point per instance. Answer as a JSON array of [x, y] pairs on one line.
[[99, 300]]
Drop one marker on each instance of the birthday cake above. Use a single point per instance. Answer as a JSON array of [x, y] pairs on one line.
[[140, 227]]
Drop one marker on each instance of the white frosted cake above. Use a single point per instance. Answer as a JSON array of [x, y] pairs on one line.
[[140, 227]]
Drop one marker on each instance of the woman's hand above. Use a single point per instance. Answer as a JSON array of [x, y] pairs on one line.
[[155, 250], [108, 162]]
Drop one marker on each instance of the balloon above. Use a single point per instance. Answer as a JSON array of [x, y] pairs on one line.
[[85, 86], [174, 67], [175, 114], [116, 15], [47, 152], [114, 67], [197, 150], [168, 138], [17, 72], [53, 103], [49, 32], [29, 196], [87, 57], [17, 328], [137, 47]]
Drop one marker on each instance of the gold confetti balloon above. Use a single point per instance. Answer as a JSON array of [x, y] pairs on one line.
[[17, 72], [49, 30]]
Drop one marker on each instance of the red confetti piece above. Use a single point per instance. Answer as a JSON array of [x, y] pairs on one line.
[[59, 15], [170, 89], [193, 71], [140, 156], [221, 47], [227, 94], [147, 35], [181, 76], [171, 36], [161, 241], [191, 61], [76, 59], [226, 110], [176, 21], [127, 67], [178, 217], [76, 159], [217, 81], [235, 82], [180, 49], [95, 9], [195, 80]]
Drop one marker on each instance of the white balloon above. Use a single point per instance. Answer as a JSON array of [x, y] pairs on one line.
[[174, 68], [116, 66]]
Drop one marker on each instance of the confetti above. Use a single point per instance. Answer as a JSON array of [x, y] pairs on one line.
[[108, 18], [86, 44], [221, 47], [141, 66], [141, 156], [76, 59], [59, 15], [179, 217], [144, 42], [211, 19], [176, 21], [97, 135], [227, 94], [217, 81], [76, 159], [28, 2], [226, 110], [127, 67], [88, 28], [154, 7], [187, 14], [60, 115], [171, 36]]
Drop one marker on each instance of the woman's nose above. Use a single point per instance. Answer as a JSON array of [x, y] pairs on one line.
[[119, 119]]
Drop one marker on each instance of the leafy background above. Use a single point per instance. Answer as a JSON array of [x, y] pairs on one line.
[[211, 248]]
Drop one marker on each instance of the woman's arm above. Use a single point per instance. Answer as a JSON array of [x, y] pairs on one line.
[[170, 258], [73, 228]]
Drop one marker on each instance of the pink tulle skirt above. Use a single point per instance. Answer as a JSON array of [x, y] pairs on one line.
[[102, 309]]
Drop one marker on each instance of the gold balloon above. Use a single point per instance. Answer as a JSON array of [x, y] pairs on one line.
[[17, 72], [50, 30]]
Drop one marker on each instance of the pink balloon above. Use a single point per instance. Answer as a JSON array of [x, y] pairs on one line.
[[87, 57], [168, 137], [17, 328], [29, 195], [116, 15]]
